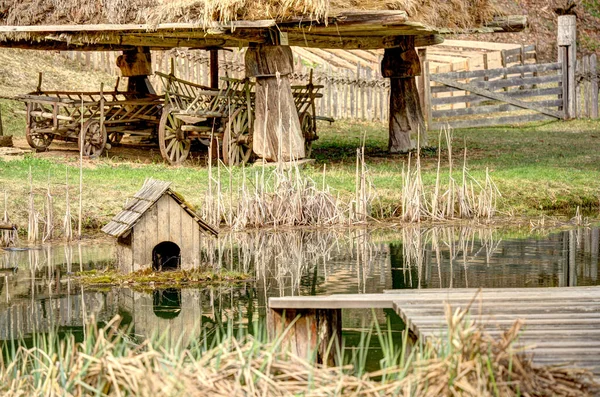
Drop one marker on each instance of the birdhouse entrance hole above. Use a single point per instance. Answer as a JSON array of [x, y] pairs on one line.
[[166, 256]]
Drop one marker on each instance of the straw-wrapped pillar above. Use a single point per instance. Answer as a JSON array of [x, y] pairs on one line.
[[136, 64], [401, 65], [277, 132]]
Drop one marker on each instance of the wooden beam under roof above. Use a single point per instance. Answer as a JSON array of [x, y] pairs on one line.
[[350, 30]]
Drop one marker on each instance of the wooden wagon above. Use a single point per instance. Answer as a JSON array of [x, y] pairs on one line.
[[93, 119], [195, 112]]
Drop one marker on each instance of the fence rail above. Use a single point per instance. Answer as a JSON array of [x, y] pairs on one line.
[[359, 92]]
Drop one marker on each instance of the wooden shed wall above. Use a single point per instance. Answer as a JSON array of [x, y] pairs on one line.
[[166, 221]]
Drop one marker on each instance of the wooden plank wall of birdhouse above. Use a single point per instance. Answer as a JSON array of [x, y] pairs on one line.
[[166, 221]]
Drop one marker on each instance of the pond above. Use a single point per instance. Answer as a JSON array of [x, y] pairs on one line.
[[37, 292]]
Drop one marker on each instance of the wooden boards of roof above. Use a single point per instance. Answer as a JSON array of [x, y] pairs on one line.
[[350, 30]]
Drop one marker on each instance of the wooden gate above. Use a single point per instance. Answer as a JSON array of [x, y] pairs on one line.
[[493, 97]]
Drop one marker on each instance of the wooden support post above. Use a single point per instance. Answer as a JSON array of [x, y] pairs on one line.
[[427, 83], [214, 68], [277, 133], [313, 333], [401, 65], [137, 66], [567, 35]]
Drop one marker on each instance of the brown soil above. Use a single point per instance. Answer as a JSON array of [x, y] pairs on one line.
[[543, 26], [125, 153]]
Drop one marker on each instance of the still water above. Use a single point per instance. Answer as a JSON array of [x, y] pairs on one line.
[[37, 292]]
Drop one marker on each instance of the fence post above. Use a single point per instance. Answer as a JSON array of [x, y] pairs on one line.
[[594, 86], [427, 95], [567, 35]]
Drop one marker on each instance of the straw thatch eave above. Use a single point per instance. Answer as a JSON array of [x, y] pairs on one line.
[[365, 30]]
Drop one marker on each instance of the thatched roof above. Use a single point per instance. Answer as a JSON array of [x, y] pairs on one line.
[[142, 201], [458, 14], [162, 24]]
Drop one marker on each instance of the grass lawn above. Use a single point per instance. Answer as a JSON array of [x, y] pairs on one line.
[[541, 169]]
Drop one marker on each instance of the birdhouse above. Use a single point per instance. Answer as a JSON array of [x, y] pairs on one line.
[[157, 229]]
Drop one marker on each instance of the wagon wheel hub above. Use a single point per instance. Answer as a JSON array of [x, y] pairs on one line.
[[179, 134]]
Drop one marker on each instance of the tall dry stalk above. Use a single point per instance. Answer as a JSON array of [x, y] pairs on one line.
[[7, 237], [49, 214], [468, 199], [33, 218], [68, 219]]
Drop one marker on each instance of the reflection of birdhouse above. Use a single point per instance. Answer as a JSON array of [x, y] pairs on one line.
[[157, 228]]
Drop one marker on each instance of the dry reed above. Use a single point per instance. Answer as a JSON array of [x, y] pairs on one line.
[[465, 362], [283, 197], [48, 214], [68, 218], [469, 199], [33, 229], [7, 237]]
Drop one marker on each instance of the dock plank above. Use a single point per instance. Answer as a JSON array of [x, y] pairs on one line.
[[562, 325]]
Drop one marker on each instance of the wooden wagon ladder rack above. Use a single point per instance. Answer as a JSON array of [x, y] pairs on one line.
[[497, 96]]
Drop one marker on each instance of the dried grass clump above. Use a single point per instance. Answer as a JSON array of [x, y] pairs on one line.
[[469, 199], [468, 362], [288, 199], [202, 12], [107, 363], [459, 14], [448, 14]]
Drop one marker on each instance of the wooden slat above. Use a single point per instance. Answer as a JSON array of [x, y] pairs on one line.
[[499, 97], [494, 121], [358, 301], [475, 110], [470, 98], [504, 83], [539, 68]]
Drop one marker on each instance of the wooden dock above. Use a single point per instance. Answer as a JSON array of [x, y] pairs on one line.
[[562, 325]]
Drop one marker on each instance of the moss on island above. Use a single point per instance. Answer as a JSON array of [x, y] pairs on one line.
[[152, 279]]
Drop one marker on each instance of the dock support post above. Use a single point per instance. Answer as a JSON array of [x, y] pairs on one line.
[[314, 332]]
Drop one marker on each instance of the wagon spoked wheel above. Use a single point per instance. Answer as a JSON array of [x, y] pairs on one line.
[[38, 140], [237, 141], [92, 139], [307, 124], [173, 142]]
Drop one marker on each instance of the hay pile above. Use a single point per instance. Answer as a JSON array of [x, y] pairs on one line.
[[449, 14], [467, 363]]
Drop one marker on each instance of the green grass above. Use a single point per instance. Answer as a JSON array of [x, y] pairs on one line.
[[540, 169]]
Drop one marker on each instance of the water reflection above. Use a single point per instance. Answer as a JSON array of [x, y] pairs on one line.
[[37, 292]]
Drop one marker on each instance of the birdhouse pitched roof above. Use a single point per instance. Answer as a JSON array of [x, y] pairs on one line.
[[142, 201]]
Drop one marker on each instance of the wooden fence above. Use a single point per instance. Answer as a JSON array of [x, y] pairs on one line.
[[351, 91], [359, 92], [512, 95], [587, 87]]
